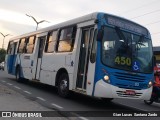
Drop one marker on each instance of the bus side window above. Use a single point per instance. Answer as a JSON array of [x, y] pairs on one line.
[[21, 45], [11, 48], [50, 43], [93, 50], [30, 44], [66, 39]]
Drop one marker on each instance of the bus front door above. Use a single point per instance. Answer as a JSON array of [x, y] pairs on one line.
[[85, 46], [10, 65], [40, 53]]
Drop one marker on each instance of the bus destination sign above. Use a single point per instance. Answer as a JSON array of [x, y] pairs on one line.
[[125, 24]]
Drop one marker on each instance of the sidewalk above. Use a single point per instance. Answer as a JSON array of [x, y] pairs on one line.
[[12, 101]]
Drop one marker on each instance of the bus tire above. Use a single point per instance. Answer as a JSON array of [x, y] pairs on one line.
[[63, 85], [148, 102], [18, 77], [107, 100]]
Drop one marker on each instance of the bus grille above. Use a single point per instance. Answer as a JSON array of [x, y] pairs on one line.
[[129, 77], [128, 86], [123, 94]]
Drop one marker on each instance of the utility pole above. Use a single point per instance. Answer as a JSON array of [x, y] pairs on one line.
[[37, 21], [4, 38]]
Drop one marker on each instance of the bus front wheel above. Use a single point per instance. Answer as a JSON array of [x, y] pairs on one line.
[[107, 100], [148, 102], [63, 85]]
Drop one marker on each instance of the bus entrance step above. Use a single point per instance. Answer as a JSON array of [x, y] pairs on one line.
[[80, 90]]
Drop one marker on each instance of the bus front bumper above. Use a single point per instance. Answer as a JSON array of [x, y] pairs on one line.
[[105, 90]]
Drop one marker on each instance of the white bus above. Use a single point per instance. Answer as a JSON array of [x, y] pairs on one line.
[[99, 55]]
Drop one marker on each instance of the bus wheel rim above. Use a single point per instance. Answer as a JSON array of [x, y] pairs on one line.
[[63, 85]]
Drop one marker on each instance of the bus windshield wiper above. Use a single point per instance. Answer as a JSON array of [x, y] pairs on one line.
[[140, 41], [120, 34]]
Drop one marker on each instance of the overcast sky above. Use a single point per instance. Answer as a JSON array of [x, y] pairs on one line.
[[14, 21]]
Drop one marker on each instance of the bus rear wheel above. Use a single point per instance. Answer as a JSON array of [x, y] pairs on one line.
[[18, 77], [63, 85]]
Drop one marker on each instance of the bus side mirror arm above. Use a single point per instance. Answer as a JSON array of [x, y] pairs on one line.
[[100, 34]]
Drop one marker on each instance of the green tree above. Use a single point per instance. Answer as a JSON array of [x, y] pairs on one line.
[[2, 54]]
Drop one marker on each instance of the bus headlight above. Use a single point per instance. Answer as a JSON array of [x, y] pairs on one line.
[[106, 78], [150, 84]]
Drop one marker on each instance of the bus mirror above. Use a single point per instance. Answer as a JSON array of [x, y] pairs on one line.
[[100, 35]]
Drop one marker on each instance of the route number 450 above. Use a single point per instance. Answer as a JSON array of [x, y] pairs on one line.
[[123, 61]]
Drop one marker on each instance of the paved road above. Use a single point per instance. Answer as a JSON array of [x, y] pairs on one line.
[[11, 100], [47, 96]]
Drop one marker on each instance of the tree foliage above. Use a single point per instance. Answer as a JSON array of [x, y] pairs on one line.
[[2, 54]]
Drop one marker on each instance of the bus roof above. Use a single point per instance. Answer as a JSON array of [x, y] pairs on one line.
[[91, 16], [81, 19]]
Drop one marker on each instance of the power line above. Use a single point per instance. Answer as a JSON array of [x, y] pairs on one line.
[[145, 14], [155, 33], [152, 23], [144, 5]]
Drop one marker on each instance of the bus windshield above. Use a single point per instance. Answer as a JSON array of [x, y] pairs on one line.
[[126, 51]]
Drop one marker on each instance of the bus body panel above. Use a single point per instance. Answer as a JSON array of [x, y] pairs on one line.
[[26, 65], [90, 78], [103, 89], [49, 66]]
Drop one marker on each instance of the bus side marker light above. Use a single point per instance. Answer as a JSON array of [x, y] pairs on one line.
[[150, 84]]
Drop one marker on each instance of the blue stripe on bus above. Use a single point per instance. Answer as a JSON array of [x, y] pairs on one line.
[[99, 16], [10, 64], [11, 67]]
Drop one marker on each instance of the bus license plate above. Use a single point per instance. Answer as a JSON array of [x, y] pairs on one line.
[[130, 92]]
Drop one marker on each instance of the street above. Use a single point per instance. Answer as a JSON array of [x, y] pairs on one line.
[[48, 98]]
